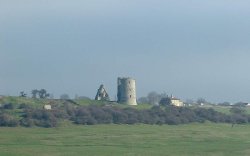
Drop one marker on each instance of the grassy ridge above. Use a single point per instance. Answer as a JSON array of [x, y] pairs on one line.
[[39, 103], [127, 140]]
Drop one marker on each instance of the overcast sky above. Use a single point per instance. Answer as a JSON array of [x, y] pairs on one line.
[[189, 48]]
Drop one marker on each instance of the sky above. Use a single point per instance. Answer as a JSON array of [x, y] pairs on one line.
[[189, 48]]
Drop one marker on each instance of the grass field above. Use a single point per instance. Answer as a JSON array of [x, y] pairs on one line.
[[207, 139], [127, 140]]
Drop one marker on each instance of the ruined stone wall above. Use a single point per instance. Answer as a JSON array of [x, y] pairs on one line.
[[126, 91], [102, 94]]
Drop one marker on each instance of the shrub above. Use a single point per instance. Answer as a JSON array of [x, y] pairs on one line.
[[237, 110], [24, 106], [90, 115], [83, 116], [8, 120], [8, 106], [39, 117], [26, 122]]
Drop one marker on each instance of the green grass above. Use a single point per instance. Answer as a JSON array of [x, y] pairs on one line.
[[39, 103], [127, 140], [226, 109]]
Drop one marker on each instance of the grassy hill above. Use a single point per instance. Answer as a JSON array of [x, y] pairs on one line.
[[126, 140], [39, 103], [17, 110], [29, 112]]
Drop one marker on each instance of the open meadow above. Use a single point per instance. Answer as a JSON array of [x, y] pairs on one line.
[[127, 140]]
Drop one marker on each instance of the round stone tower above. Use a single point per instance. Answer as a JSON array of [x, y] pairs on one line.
[[126, 91]]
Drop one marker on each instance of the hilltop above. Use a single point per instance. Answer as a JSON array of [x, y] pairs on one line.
[[30, 112], [39, 103]]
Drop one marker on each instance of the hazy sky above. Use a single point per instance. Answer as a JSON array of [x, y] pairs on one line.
[[190, 48]]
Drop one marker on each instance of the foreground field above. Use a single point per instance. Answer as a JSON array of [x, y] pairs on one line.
[[127, 140]]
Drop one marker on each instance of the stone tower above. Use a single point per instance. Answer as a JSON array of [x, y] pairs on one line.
[[126, 91]]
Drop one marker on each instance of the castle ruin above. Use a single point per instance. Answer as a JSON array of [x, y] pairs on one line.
[[102, 94], [126, 91]]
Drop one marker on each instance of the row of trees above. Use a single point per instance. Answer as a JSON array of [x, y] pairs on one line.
[[40, 93], [155, 98], [43, 94], [156, 115], [152, 98]]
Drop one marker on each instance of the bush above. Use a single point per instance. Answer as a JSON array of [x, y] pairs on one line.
[[118, 116], [26, 122], [8, 106], [39, 117], [239, 119], [100, 114], [237, 110], [24, 106], [156, 115], [83, 116], [90, 115], [8, 120]]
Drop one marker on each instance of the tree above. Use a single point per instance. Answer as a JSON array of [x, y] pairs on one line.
[[34, 93], [23, 94], [201, 101], [165, 101], [47, 95], [154, 98], [237, 110], [240, 104], [43, 94]]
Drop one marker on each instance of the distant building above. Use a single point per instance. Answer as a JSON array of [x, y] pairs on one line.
[[171, 101], [102, 94], [47, 107], [126, 91], [176, 102]]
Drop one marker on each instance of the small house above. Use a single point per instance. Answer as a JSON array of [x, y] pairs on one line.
[[47, 107]]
